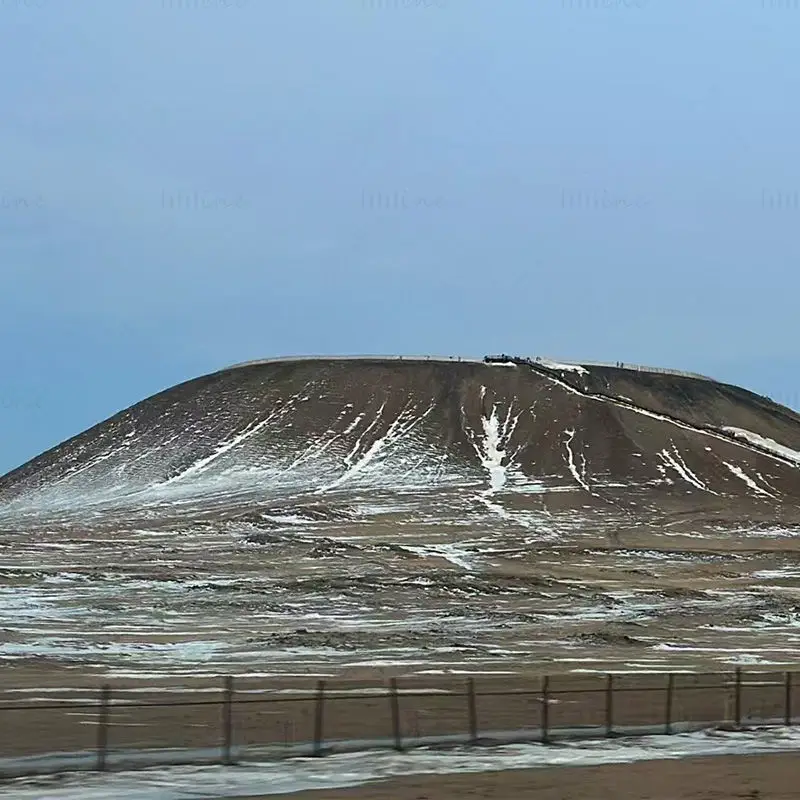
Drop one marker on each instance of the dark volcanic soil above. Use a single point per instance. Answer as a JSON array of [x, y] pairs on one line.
[[461, 438], [338, 517]]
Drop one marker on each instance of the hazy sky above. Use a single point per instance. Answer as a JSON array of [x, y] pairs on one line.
[[186, 184]]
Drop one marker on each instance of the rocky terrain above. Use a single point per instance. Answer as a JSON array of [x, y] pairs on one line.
[[338, 516]]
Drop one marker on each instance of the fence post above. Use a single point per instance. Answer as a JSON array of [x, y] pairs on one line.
[[472, 708], [737, 698], [545, 709], [787, 711], [670, 695], [319, 717], [227, 720], [609, 704], [394, 702], [102, 727]]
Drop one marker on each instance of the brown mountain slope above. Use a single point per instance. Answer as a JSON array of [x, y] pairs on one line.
[[501, 443]]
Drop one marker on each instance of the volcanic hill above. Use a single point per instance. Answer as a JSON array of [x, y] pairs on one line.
[[532, 444]]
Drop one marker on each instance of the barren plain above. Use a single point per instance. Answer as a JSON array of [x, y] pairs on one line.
[[358, 520]]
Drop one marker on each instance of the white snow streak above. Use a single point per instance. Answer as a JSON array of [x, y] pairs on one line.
[[677, 463], [745, 438], [580, 477], [546, 362], [768, 444], [222, 448], [316, 449], [342, 770], [226, 447], [491, 449], [406, 420], [449, 552], [493, 452], [740, 473]]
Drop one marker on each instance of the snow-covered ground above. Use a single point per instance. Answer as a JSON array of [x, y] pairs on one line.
[[294, 775], [318, 596], [765, 443]]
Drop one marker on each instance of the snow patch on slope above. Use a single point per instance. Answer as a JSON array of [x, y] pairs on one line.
[[746, 439], [580, 477], [449, 552], [282, 777], [318, 448], [405, 421], [740, 473], [492, 451], [546, 362], [675, 460], [764, 442]]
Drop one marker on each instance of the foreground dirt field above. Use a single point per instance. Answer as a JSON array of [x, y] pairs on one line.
[[766, 777], [324, 518], [339, 600]]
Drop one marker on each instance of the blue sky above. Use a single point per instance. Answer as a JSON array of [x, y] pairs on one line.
[[186, 184]]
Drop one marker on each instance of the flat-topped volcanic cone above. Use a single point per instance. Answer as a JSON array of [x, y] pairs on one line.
[[430, 441]]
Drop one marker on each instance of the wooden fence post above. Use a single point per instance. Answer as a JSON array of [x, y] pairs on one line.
[[737, 698], [609, 704], [394, 702], [670, 695], [787, 709], [227, 720], [319, 711], [545, 709], [472, 710], [102, 727]]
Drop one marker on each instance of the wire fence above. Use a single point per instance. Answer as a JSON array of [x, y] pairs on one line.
[[115, 730]]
